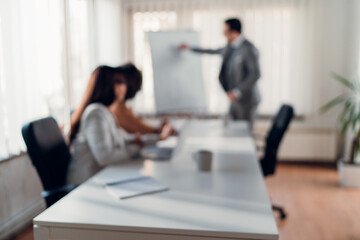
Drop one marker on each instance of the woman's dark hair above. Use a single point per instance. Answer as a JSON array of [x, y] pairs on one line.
[[104, 83], [102, 92], [234, 24], [103, 88], [133, 79]]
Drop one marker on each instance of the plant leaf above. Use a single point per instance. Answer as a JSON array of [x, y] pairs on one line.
[[348, 120], [357, 118], [346, 126], [357, 84], [344, 81], [345, 111], [334, 102]]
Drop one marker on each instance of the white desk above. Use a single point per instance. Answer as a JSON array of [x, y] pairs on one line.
[[230, 202]]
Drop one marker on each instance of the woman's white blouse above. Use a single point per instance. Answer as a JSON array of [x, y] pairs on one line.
[[99, 143]]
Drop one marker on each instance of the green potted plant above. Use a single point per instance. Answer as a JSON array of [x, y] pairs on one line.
[[349, 119]]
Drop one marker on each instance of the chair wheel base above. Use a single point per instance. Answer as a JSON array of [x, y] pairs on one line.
[[282, 216]]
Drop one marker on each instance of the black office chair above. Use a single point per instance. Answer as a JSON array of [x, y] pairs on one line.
[[273, 139], [50, 155]]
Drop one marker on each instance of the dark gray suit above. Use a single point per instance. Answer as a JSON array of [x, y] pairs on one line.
[[240, 70]]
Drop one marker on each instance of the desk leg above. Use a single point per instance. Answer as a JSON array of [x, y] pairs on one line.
[[41, 233]]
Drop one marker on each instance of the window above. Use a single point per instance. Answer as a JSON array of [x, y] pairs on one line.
[[45, 61], [80, 48], [31, 67], [300, 44]]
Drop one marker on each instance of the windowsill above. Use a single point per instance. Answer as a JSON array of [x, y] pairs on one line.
[[209, 116], [261, 117], [12, 156]]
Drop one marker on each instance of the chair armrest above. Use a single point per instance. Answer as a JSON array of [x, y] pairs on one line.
[[260, 147], [258, 136], [64, 189], [259, 142]]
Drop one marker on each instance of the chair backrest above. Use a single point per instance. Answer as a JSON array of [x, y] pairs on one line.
[[48, 151], [273, 140]]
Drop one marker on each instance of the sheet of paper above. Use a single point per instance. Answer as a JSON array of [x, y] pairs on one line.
[[136, 188], [170, 142], [178, 124], [113, 176]]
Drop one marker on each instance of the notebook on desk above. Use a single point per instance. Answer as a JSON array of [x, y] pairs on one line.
[[113, 176], [129, 183], [136, 188]]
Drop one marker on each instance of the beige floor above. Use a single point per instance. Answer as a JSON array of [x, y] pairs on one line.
[[317, 208]]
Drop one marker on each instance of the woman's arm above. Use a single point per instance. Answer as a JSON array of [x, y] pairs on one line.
[[131, 123]]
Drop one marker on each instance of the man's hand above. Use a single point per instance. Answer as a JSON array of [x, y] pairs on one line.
[[231, 96], [183, 47]]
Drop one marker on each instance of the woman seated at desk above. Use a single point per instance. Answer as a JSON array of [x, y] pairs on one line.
[[98, 140], [125, 117]]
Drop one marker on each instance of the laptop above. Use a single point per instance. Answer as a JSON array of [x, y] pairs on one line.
[[157, 153]]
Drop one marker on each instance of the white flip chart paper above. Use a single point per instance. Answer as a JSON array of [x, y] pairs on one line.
[[178, 82]]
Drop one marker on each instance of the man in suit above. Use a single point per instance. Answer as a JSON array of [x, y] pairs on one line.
[[239, 71]]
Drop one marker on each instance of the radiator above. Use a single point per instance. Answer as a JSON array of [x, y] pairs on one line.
[[20, 199], [307, 140]]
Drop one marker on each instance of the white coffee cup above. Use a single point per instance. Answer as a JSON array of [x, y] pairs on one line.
[[226, 120], [203, 158]]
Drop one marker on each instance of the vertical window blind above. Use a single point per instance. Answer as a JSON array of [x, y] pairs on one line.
[[31, 62], [37, 76]]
